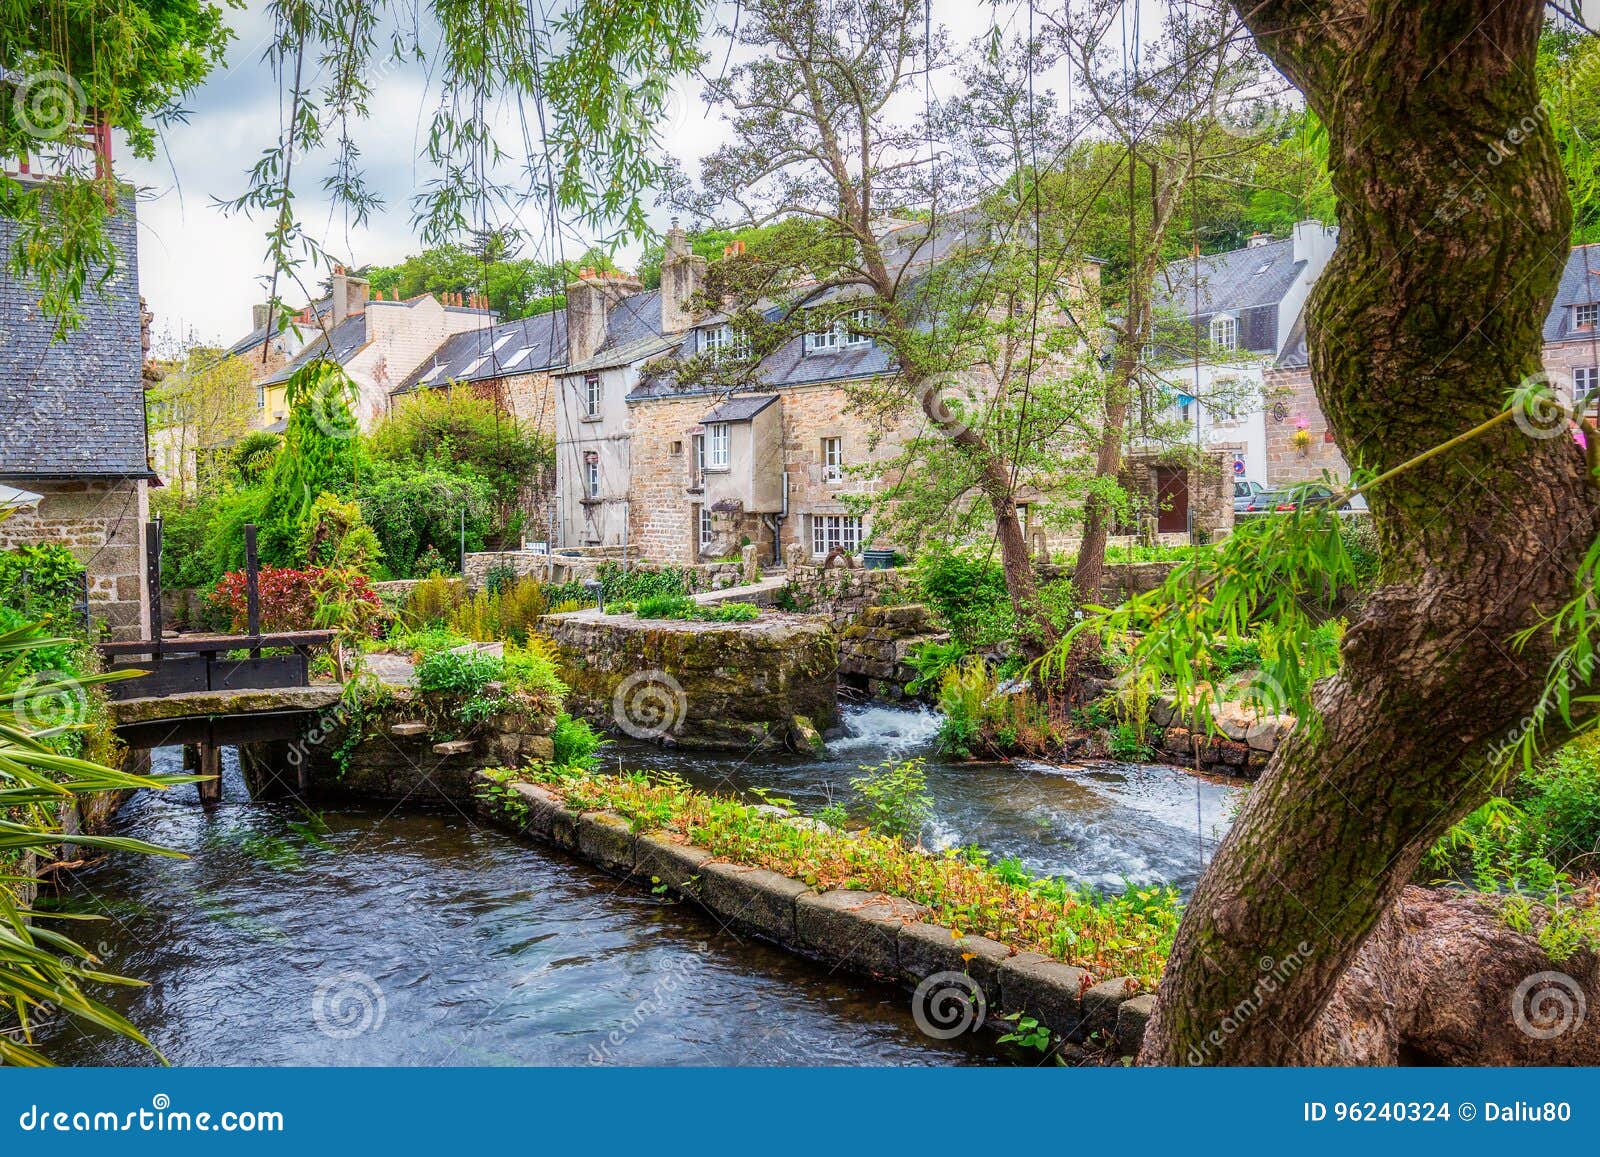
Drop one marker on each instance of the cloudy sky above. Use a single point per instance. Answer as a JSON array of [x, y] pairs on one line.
[[200, 269]]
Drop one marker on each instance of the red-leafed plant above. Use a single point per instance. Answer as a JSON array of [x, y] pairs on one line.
[[290, 597]]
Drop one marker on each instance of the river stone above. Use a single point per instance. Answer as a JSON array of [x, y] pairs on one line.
[[752, 898], [605, 840], [859, 929], [1101, 1003], [1044, 989], [805, 738], [657, 860], [1132, 1018], [548, 817], [928, 948]]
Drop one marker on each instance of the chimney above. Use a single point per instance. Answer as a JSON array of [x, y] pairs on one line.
[[681, 275], [1258, 239], [589, 303], [259, 315], [336, 292], [1313, 242]]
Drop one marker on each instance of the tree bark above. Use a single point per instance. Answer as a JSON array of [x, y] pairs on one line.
[[1430, 311]]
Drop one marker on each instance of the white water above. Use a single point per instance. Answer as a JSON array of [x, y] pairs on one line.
[[881, 732]]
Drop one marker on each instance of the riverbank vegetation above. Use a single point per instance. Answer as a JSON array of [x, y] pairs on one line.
[[1110, 936]]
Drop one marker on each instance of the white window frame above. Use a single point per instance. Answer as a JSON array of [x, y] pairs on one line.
[[718, 444], [1586, 386], [706, 535], [828, 531], [591, 395], [1225, 332], [697, 460], [721, 341], [1587, 315], [820, 341], [855, 325], [833, 460], [591, 477]]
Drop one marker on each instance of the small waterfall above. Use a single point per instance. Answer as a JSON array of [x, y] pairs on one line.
[[884, 732]]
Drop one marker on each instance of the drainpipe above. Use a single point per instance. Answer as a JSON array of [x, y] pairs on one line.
[[777, 524]]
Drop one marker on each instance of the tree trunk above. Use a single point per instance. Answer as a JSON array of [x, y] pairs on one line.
[[1430, 311]]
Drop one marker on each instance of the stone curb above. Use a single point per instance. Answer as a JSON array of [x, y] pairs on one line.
[[866, 932]]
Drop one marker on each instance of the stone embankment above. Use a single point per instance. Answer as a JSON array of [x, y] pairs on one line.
[[759, 685], [1243, 748], [876, 649], [954, 977]]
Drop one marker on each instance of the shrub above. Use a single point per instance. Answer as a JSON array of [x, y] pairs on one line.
[[729, 613], [1563, 801], [633, 586], [666, 607], [289, 598], [433, 600], [964, 693], [40, 581], [895, 797], [577, 745], [970, 597], [931, 661], [533, 669], [461, 674], [415, 510], [335, 535], [509, 613]]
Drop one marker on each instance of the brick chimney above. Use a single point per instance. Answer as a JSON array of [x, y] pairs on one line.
[[589, 303], [681, 275], [259, 314]]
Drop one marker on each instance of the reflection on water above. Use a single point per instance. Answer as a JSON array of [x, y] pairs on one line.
[[1100, 824], [366, 938]]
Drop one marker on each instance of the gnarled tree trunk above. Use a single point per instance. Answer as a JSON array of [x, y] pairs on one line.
[[1430, 311]]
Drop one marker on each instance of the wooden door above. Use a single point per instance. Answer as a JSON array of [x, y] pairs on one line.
[[1172, 495]]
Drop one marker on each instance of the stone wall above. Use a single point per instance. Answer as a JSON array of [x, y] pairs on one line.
[[737, 686], [840, 592], [1291, 402], [706, 576], [102, 523], [876, 647]]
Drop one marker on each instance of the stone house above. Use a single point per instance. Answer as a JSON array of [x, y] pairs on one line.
[[680, 474], [1228, 322], [72, 429], [1572, 329]]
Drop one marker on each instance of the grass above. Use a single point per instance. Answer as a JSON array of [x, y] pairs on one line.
[[1110, 936]]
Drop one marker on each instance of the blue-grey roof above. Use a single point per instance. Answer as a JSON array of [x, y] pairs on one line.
[[517, 347], [740, 408], [341, 343], [1580, 285], [74, 408], [319, 308], [1247, 284]]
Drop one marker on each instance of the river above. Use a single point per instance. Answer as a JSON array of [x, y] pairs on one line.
[[377, 936]]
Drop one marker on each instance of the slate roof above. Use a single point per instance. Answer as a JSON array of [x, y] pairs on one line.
[[342, 342], [255, 337], [74, 408], [517, 347], [1580, 284], [740, 408]]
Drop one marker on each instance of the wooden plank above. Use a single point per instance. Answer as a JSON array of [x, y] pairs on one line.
[[222, 730], [152, 578], [183, 644], [258, 674], [252, 589], [170, 676], [210, 764]]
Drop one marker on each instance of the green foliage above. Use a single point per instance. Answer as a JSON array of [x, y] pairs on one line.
[[533, 669], [416, 510], [319, 455], [334, 534], [516, 287], [895, 797], [666, 607], [969, 595], [619, 585], [509, 613], [41, 581], [729, 613], [965, 692], [462, 674], [931, 660], [1129, 745], [577, 745]]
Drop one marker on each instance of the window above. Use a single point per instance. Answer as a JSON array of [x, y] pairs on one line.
[[703, 519], [857, 326], [1587, 316], [836, 531], [823, 340], [591, 395], [591, 475], [677, 448], [261, 397], [697, 459], [1585, 386], [1225, 332], [723, 340], [833, 459], [473, 367], [717, 446]]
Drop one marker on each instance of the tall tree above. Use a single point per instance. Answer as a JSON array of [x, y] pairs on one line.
[[1430, 311]]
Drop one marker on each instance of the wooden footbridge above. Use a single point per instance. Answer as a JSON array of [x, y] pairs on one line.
[[205, 692]]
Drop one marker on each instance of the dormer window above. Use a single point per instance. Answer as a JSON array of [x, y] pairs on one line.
[[724, 340], [1587, 316], [852, 331], [1225, 332]]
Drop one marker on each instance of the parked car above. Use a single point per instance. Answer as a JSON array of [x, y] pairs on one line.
[[1244, 493], [1261, 502], [1316, 494]]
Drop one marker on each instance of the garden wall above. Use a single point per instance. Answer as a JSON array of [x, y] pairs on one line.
[[875, 648], [708, 576], [737, 686]]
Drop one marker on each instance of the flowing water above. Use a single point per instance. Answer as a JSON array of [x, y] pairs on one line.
[[377, 936]]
